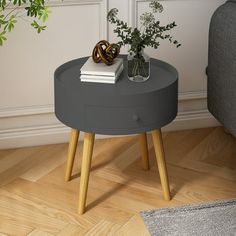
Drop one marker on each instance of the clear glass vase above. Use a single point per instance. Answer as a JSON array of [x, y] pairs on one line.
[[138, 66]]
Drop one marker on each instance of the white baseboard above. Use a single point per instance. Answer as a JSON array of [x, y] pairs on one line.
[[33, 136], [58, 133], [192, 120]]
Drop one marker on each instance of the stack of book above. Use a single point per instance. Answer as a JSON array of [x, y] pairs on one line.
[[100, 72]]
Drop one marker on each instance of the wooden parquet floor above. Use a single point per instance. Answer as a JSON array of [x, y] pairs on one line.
[[35, 200]]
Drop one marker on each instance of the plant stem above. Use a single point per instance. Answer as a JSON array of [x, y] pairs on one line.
[[9, 13]]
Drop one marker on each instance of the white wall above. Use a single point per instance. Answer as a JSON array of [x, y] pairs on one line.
[[28, 60]]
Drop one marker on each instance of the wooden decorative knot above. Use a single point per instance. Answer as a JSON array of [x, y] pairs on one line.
[[106, 52]]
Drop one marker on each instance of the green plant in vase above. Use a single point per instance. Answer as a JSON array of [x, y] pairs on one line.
[[148, 34]]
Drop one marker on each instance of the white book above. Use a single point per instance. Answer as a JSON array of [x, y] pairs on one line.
[[99, 81], [102, 79], [92, 68], [94, 78]]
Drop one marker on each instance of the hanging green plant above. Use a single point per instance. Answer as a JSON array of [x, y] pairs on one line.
[[34, 11]]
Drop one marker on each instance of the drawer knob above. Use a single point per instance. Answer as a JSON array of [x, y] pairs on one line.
[[135, 117]]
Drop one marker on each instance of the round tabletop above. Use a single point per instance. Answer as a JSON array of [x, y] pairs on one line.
[[125, 107]]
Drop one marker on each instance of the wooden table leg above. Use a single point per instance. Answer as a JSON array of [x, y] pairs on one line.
[[85, 169], [160, 157], [71, 153], [144, 150]]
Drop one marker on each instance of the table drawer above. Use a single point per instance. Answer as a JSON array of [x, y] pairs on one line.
[[119, 117]]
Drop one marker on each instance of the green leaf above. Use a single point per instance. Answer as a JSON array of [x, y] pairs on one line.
[[3, 4], [2, 21], [35, 7], [2, 37], [39, 28], [44, 13], [10, 24], [19, 2]]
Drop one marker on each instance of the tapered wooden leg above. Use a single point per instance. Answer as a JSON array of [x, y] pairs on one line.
[[160, 157], [144, 150], [85, 168], [71, 153]]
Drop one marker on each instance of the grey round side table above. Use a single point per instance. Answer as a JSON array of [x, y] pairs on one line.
[[113, 109]]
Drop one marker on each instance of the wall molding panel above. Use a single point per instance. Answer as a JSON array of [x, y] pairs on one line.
[[103, 5]]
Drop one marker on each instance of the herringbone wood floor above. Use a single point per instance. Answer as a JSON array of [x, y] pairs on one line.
[[35, 200]]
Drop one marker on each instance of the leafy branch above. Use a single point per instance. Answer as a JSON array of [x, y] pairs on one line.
[[149, 32], [11, 10]]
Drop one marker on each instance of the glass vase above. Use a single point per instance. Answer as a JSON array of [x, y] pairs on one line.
[[138, 66]]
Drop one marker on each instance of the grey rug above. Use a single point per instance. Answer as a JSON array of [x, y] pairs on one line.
[[216, 218]]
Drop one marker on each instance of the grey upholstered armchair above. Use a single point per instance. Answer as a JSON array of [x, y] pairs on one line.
[[222, 66]]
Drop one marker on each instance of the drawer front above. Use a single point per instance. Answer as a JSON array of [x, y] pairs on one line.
[[119, 117], [112, 117]]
